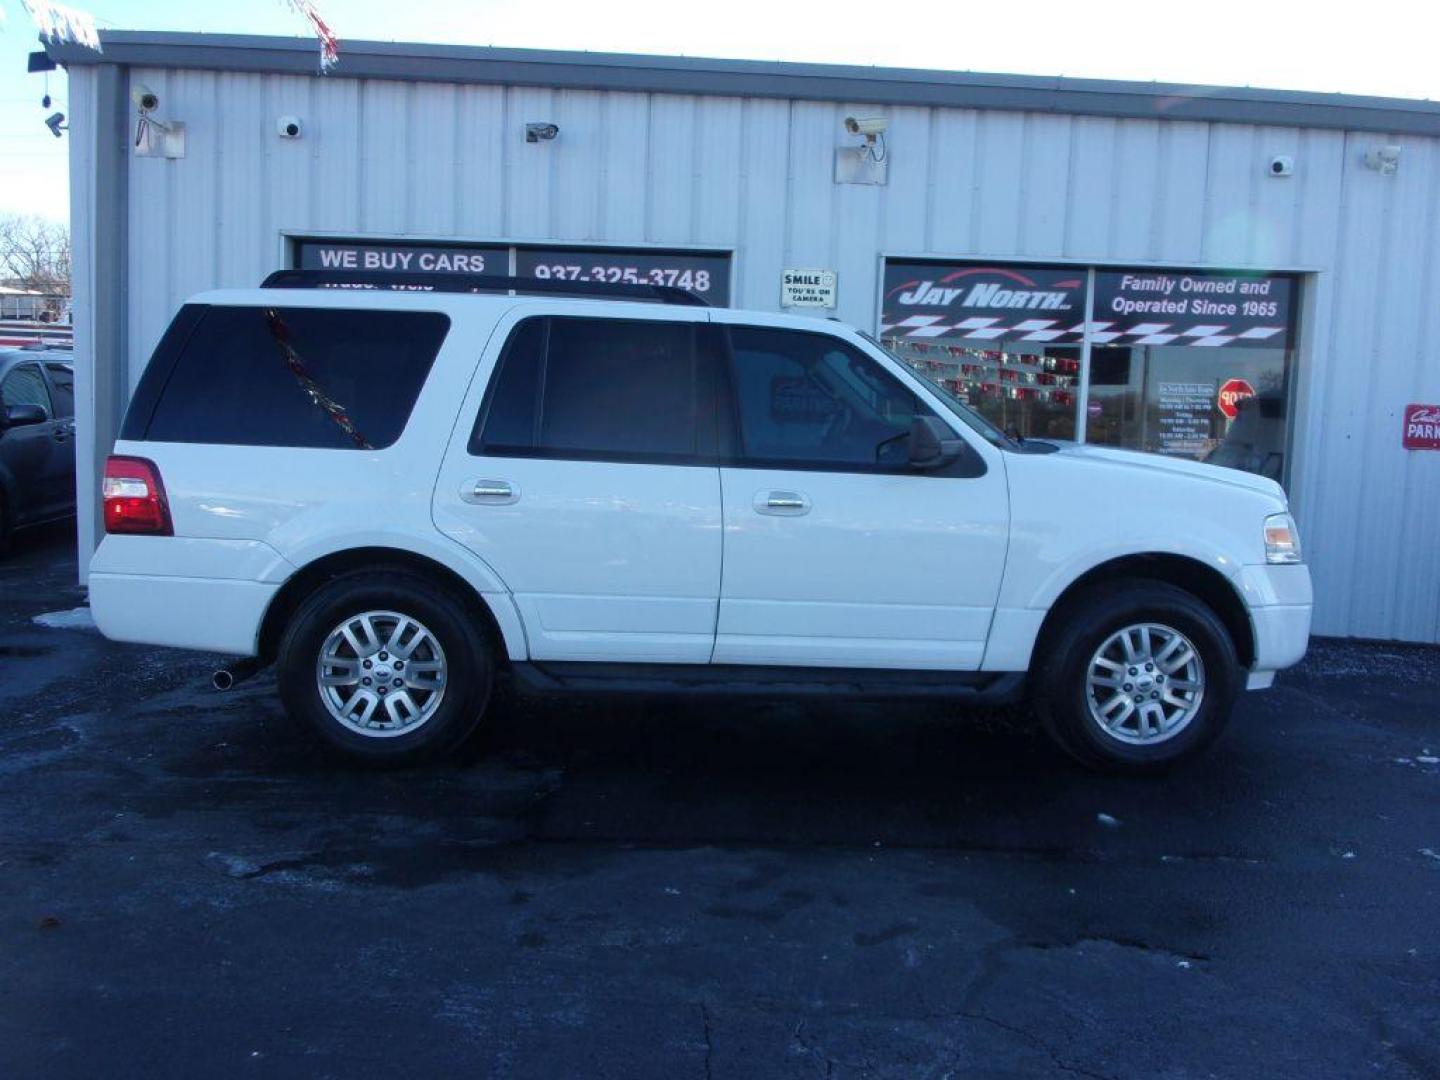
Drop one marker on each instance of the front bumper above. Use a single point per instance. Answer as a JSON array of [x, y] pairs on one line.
[[1279, 599]]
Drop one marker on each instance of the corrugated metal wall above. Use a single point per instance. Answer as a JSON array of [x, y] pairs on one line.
[[437, 160]]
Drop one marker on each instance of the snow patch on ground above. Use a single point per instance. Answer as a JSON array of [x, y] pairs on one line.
[[75, 619]]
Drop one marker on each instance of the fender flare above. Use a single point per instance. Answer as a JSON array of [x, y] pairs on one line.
[[482, 582]]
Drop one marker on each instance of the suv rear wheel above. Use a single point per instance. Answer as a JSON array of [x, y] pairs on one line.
[[1139, 676], [386, 667]]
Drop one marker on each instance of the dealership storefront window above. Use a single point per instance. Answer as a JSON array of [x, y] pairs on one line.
[[1186, 364], [1017, 367]]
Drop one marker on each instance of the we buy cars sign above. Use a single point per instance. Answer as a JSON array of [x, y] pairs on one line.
[[1232, 392], [1422, 427]]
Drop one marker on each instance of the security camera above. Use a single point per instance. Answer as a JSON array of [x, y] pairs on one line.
[[288, 127], [1383, 159], [56, 123], [869, 126], [541, 132], [1282, 165], [145, 99]]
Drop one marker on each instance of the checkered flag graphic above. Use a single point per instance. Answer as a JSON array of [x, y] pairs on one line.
[[1204, 335]]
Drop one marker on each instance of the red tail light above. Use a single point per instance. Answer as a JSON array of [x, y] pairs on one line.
[[135, 498]]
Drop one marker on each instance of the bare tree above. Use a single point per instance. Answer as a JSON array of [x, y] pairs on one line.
[[35, 254]]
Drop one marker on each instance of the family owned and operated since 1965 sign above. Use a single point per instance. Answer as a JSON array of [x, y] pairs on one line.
[[1150, 307], [704, 273]]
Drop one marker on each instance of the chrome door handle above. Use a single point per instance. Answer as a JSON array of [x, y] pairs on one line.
[[490, 492], [782, 503]]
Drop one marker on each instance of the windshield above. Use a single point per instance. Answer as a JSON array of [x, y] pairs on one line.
[[966, 415]]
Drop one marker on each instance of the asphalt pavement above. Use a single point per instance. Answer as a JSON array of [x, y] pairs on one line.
[[190, 885]]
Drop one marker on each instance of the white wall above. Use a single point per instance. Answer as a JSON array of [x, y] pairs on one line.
[[391, 158]]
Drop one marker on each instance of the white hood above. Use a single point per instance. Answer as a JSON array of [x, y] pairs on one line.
[[1176, 466]]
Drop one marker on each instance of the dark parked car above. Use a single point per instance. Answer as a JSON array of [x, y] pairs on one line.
[[37, 437]]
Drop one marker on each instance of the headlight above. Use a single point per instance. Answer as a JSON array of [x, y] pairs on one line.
[[1282, 539]]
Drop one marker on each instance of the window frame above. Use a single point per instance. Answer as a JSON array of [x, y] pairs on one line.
[[174, 344], [702, 368], [31, 365], [970, 465], [52, 377]]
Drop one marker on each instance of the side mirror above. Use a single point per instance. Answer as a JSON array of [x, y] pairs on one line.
[[22, 415], [932, 444]]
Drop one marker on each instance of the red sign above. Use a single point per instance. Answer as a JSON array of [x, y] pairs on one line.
[[1232, 392], [1422, 427]]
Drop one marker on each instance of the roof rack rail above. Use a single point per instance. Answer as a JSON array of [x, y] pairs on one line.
[[476, 283]]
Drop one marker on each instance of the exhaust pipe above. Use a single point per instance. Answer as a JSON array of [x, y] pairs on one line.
[[237, 671]]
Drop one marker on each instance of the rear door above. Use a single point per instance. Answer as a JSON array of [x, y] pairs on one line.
[[583, 472], [837, 552], [61, 377]]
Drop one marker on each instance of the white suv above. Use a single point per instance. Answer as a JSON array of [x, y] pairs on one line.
[[397, 496]]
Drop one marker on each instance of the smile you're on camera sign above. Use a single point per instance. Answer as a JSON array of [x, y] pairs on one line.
[[807, 288]]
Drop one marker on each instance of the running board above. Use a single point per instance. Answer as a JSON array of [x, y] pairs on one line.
[[971, 687]]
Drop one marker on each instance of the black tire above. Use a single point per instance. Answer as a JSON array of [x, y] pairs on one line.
[[1087, 621], [469, 662]]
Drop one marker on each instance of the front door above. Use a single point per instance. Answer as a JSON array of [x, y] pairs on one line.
[[837, 552], [589, 484], [30, 452]]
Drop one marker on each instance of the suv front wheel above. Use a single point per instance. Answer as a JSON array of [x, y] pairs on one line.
[[1139, 675], [386, 667]]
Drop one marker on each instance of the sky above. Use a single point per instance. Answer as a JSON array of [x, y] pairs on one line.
[[1382, 47]]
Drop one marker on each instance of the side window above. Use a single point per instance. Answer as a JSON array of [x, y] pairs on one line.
[[25, 386], [622, 389], [62, 389], [812, 400], [334, 378]]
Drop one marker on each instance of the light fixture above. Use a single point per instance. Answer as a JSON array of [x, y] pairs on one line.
[[1383, 159], [56, 123]]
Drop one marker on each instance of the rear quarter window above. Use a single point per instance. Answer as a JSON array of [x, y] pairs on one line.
[[330, 378]]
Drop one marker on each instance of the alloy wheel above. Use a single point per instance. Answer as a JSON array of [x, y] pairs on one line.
[[381, 674], [1144, 684]]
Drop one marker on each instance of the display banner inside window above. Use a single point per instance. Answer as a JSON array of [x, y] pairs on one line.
[[983, 303], [705, 274], [1191, 364], [402, 258], [1152, 307], [1003, 339]]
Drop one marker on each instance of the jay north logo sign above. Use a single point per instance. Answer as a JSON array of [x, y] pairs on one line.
[[987, 288]]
